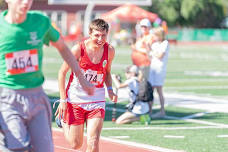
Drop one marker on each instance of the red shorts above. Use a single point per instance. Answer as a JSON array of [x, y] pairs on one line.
[[76, 115]]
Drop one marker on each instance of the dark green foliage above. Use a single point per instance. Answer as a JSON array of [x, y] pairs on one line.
[[194, 13]]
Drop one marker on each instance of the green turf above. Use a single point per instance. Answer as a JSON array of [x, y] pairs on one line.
[[202, 140], [195, 140], [199, 70], [51, 63], [216, 117]]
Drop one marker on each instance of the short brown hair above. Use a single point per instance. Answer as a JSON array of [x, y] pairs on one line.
[[132, 69], [98, 24], [159, 31]]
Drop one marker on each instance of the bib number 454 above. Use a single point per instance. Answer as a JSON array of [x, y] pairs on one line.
[[21, 62]]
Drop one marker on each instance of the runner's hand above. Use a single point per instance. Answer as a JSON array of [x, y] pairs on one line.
[[112, 96], [86, 85], [60, 112]]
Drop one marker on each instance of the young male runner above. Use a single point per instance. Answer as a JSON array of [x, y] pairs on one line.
[[95, 57], [25, 113]]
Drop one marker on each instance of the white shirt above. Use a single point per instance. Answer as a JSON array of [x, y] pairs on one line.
[[139, 107], [158, 67], [158, 48], [132, 85]]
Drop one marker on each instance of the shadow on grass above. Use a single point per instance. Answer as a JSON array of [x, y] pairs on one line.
[[216, 115]]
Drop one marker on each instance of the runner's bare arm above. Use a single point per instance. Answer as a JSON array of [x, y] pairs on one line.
[[111, 54], [108, 80], [117, 82], [64, 69], [73, 63]]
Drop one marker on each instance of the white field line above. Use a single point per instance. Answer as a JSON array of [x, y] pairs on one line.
[[222, 136], [124, 110], [195, 56], [132, 144], [52, 85], [119, 137], [164, 128], [207, 73], [172, 136], [196, 87], [195, 115], [207, 123], [187, 118], [194, 97], [221, 125], [197, 80]]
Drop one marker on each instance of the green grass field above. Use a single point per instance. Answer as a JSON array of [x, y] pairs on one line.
[[194, 70]]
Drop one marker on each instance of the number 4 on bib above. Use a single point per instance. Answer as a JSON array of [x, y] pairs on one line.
[[21, 62]]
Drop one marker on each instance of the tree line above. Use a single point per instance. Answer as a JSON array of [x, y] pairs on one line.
[[185, 13], [191, 13]]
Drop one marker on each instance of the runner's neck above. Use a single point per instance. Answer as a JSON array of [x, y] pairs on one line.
[[15, 19], [94, 47]]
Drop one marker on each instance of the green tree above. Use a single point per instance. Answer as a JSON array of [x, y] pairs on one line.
[[167, 10], [195, 13]]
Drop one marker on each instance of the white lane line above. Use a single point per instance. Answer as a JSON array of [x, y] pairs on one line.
[[134, 144], [172, 136], [129, 143], [222, 136]]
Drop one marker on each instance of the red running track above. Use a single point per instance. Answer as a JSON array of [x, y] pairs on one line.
[[61, 145]]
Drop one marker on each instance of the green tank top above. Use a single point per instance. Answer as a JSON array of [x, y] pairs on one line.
[[21, 50]]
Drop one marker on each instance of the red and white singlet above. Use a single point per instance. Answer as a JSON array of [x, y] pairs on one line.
[[95, 73]]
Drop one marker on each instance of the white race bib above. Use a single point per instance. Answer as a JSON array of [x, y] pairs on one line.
[[21, 62], [94, 77]]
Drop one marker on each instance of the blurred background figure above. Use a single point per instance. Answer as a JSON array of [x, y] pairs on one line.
[[135, 108], [142, 47], [138, 30], [159, 59]]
